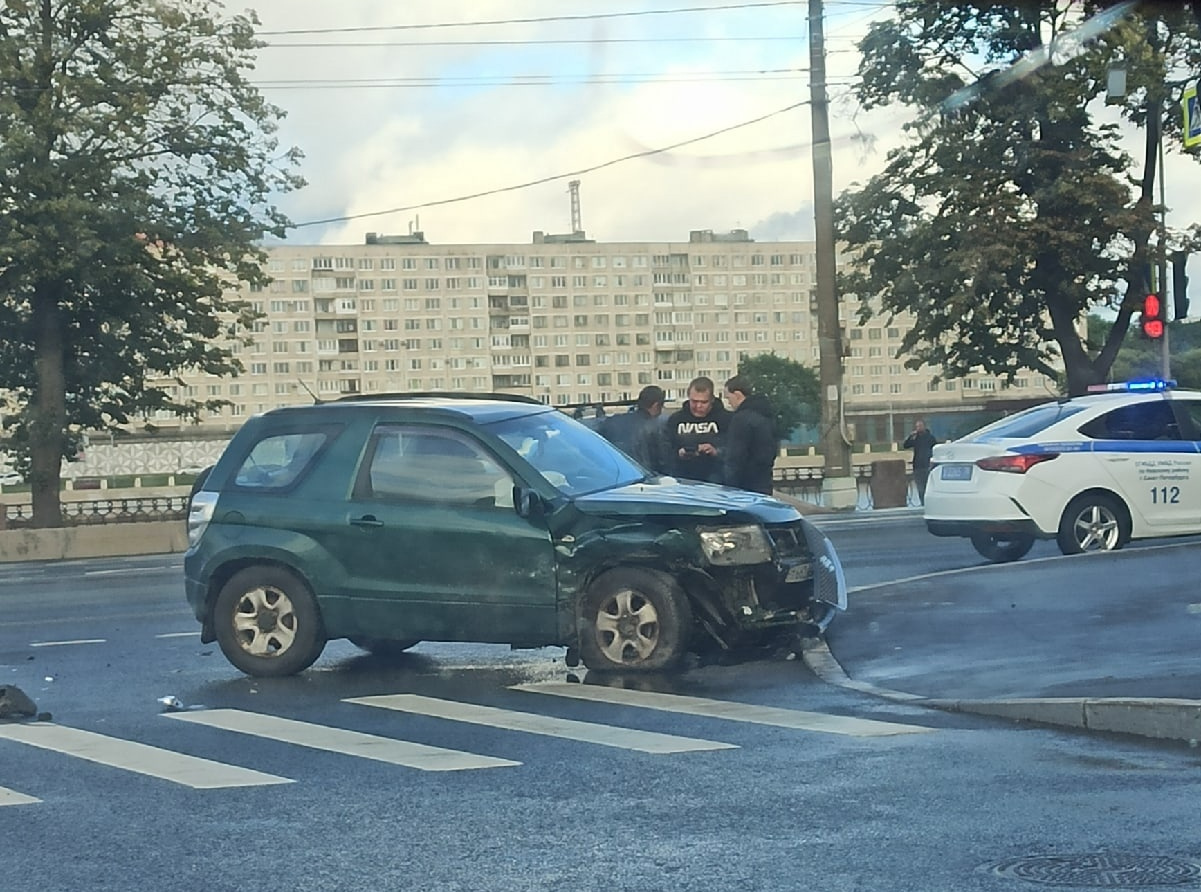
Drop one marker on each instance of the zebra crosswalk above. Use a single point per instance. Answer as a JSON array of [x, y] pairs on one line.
[[205, 774], [338, 740], [199, 774]]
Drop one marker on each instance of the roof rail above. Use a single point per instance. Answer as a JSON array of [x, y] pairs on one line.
[[439, 394]]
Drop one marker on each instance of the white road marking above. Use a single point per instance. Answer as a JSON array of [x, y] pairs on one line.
[[195, 634], [190, 771], [12, 797], [724, 709], [338, 740], [585, 732], [64, 643]]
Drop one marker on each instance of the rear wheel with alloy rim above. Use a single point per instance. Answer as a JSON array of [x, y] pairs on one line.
[[1093, 522], [267, 622], [1000, 548]]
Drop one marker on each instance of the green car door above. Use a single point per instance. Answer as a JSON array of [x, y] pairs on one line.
[[435, 548]]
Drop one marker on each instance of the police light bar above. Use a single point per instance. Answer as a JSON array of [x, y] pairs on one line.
[[1154, 385]]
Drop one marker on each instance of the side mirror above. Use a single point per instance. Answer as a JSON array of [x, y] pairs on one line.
[[526, 502]]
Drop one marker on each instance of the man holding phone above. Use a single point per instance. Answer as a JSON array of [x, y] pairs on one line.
[[695, 433]]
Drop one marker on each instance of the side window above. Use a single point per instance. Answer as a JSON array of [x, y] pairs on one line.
[[1190, 418], [431, 465], [1139, 421], [278, 461]]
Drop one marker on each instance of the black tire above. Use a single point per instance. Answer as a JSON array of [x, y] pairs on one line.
[[1093, 522], [633, 620], [1001, 548], [267, 622], [382, 647]]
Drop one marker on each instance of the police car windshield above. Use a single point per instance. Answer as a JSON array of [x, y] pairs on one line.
[[571, 457], [1024, 424]]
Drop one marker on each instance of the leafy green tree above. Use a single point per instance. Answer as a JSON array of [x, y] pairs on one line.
[[138, 166], [1143, 358], [1006, 217], [793, 389]]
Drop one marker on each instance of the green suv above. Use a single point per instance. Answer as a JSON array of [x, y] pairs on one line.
[[452, 517]]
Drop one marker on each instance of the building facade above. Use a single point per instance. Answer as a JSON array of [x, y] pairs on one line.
[[563, 319]]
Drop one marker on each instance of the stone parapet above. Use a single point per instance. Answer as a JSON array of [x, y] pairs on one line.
[[94, 540]]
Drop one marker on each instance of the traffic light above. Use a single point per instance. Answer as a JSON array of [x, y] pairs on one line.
[[1151, 320], [1180, 284]]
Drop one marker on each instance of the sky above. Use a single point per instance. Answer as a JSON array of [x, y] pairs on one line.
[[402, 108]]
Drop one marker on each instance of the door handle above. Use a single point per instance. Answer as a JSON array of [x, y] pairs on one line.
[[367, 520]]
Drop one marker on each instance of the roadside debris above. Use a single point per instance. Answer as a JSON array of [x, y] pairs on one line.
[[15, 703]]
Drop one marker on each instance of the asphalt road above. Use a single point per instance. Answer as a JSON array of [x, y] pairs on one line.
[[784, 782]]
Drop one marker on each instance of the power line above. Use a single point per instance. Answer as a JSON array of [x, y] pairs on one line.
[[562, 41], [559, 176], [534, 20], [535, 80]]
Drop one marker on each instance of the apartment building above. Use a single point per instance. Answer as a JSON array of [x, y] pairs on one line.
[[563, 319]]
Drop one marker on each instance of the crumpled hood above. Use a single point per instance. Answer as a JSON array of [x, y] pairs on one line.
[[668, 496]]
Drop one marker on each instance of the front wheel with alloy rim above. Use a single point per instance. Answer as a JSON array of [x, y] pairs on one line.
[[633, 619], [267, 622], [1093, 522], [1000, 548]]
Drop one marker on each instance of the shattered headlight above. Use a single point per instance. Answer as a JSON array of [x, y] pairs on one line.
[[728, 546]]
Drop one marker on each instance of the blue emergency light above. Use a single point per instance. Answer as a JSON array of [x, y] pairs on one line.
[[1153, 385]]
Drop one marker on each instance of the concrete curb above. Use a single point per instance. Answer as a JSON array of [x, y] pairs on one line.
[[1160, 718], [1163, 718]]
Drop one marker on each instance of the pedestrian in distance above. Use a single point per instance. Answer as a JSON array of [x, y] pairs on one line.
[[695, 433], [751, 442], [642, 432], [922, 442]]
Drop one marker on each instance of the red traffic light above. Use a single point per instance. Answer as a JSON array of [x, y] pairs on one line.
[[1152, 317]]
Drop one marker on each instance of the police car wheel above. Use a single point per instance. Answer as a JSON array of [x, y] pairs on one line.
[[999, 548], [1093, 522]]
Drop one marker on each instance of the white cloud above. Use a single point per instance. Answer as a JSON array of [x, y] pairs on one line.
[[372, 148], [375, 148]]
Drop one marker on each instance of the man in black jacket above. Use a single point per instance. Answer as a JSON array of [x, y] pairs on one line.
[[922, 442], [751, 443], [695, 433], [642, 434]]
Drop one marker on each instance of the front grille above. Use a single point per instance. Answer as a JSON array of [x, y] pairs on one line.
[[807, 542]]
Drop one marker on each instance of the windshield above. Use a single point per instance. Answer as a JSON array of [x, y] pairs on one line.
[[1024, 424], [571, 457]]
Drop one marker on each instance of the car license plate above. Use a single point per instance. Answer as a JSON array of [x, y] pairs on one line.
[[799, 573], [956, 472]]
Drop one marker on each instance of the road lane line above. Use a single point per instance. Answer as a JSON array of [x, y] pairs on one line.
[[195, 634], [339, 740], [190, 771], [12, 797], [64, 643], [725, 709], [585, 732]]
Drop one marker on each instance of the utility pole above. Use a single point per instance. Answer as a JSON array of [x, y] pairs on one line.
[[838, 485]]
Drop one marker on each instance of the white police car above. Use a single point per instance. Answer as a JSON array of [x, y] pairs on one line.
[[1092, 472]]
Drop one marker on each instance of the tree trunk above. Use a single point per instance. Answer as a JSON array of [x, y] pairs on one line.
[[49, 411]]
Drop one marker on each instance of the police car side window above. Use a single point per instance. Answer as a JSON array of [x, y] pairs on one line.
[[1139, 421], [1190, 418]]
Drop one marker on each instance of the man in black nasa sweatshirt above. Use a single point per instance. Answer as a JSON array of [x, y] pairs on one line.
[[695, 433]]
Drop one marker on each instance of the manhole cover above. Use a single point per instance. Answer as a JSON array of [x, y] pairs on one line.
[[1101, 870]]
